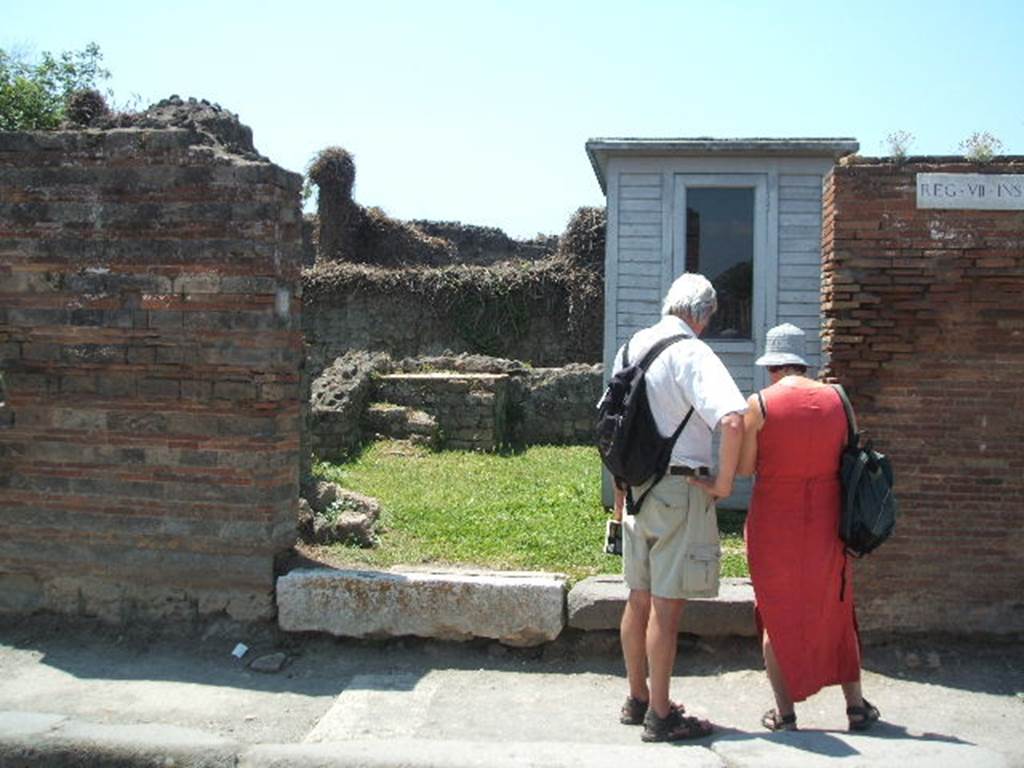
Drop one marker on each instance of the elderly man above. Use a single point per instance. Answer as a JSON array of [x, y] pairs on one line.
[[670, 546]]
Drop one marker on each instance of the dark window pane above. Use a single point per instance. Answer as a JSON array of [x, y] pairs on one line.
[[720, 245]]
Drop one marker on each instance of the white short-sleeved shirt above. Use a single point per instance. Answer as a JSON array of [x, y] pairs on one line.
[[686, 373]]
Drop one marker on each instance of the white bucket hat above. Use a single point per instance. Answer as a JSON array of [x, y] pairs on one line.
[[784, 345]]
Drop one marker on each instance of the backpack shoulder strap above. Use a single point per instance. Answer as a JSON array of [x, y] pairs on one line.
[[682, 425], [852, 434], [660, 347], [632, 507]]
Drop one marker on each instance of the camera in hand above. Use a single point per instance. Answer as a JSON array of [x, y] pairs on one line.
[[613, 538]]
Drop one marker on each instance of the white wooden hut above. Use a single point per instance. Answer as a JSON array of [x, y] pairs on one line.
[[746, 213]]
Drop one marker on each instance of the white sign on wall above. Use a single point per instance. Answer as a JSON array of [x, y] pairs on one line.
[[979, 191]]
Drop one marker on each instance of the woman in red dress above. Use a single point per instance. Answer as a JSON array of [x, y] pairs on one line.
[[795, 430]]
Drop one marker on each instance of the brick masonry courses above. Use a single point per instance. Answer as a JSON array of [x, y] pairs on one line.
[[925, 327], [151, 347]]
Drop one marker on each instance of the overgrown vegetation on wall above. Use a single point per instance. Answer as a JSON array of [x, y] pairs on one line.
[[477, 307], [36, 95], [583, 243], [351, 233], [486, 305]]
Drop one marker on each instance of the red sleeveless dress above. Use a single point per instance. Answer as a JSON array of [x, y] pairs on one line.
[[802, 584]]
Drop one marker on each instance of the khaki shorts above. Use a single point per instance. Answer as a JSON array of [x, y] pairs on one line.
[[670, 548]]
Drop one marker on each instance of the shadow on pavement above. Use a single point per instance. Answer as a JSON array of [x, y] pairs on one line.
[[993, 666], [827, 743], [818, 742], [323, 665]]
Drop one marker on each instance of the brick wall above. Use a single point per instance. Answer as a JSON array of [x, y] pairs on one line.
[[151, 347], [924, 323]]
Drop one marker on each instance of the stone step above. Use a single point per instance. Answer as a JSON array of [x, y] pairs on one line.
[[597, 603], [513, 607], [470, 408], [401, 422], [519, 609]]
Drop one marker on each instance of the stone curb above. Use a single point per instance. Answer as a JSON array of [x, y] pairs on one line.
[[597, 603], [40, 740], [411, 753], [515, 608]]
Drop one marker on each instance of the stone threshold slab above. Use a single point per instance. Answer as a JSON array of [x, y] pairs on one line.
[[597, 603], [516, 608]]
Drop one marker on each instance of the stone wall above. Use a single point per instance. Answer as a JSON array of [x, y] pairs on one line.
[[470, 408], [399, 321], [486, 245], [340, 396], [151, 348], [924, 325], [557, 406], [479, 403]]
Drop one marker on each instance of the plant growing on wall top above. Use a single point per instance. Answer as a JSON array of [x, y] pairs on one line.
[[34, 95], [350, 232], [898, 142], [583, 242], [981, 147], [334, 167]]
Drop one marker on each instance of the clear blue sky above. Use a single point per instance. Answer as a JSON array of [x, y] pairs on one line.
[[479, 110]]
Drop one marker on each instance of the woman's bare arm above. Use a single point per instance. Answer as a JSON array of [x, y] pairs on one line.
[[753, 420]]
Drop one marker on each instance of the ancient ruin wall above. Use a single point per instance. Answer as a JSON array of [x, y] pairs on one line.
[[426, 288], [150, 344], [925, 326], [540, 317]]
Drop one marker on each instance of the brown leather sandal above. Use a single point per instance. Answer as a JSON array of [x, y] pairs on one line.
[[675, 726], [633, 711], [773, 721], [867, 715]]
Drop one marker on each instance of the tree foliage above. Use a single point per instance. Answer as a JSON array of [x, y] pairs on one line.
[[34, 94]]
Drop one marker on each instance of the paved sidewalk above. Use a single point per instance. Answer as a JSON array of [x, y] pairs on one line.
[[84, 695]]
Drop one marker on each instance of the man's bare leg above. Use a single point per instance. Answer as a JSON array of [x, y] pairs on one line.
[[662, 637], [633, 632]]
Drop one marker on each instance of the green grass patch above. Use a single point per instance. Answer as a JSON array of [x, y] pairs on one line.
[[539, 509]]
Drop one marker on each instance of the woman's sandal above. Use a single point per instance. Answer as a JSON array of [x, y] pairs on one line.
[[866, 715], [773, 721]]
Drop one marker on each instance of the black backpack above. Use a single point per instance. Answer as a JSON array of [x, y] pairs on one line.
[[627, 436], [868, 513]]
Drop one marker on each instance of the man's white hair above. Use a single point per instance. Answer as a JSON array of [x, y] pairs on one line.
[[691, 297]]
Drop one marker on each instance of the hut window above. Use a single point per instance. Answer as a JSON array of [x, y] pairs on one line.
[[720, 245]]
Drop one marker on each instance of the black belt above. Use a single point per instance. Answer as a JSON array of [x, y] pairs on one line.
[[690, 471]]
